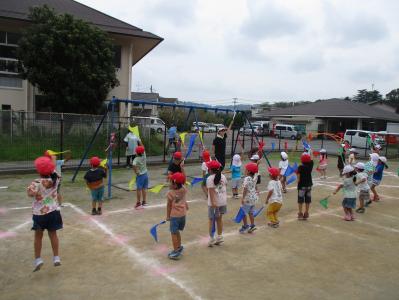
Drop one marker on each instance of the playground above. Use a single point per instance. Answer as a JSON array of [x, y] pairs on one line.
[[114, 255]]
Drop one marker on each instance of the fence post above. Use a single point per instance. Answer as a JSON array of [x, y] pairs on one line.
[[322, 141], [61, 134], [279, 141], [164, 144], [119, 142], [232, 144], [252, 139]]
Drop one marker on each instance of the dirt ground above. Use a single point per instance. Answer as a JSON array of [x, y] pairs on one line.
[[114, 256]]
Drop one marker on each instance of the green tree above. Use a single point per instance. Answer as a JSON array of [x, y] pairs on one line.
[[393, 96], [68, 60], [365, 96]]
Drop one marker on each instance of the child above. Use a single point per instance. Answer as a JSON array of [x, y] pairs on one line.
[[323, 163], [176, 212], [256, 159], [140, 168], [352, 156], [363, 186], [176, 165], [305, 184], [349, 189], [235, 174], [94, 180], [283, 165], [206, 157], [377, 176], [369, 168], [341, 159], [250, 196], [45, 208], [274, 196], [217, 201]]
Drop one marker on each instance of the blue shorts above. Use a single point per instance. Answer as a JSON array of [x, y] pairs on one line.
[[216, 212], [248, 209], [142, 181], [177, 224], [97, 194], [349, 203], [51, 221]]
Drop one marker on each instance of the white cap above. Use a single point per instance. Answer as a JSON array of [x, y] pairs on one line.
[[383, 159], [359, 166], [221, 128], [236, 160], [254, 157], [353, 150], [323, 151], [378, 146], [343, 145], [348, 169], [284, 155]]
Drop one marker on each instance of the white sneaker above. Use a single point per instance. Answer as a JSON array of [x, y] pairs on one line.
[[211, 242], [219, 240], [38, 264], [56, 261]]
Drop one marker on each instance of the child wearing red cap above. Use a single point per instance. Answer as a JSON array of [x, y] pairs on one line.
[[206, 158], [176, 165], [94, 181], [250, 197], [217, 201], [140, 168], [274, 197], [305, 184], [176, 212], [45, 209]]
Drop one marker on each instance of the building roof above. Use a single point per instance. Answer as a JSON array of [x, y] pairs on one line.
[[19, 10], [145, 96], [337, 108]]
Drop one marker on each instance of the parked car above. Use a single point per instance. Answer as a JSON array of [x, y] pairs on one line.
[[263, 127], [247, 130], [217, 126], [286, 131], [205, 127], [155, 124], [358, 138]]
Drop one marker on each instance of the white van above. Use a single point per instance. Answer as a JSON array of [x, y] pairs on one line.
[[286, 131], [155, 124], [358, 138]]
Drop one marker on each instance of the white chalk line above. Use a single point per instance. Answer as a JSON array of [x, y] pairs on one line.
[[136, 255], [19, 208]]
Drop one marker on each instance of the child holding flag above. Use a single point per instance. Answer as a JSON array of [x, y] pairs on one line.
[[341, 159], [176, 165], [140, 168], [176, 212], [377, 176], [369, 168], [217, 201], [362, 185], [235, 174], [250, 196], [283, 165], [349, 190], [206, 158], [45, 208], [323, 163], [274, 196], [94, 180], [305, 184]]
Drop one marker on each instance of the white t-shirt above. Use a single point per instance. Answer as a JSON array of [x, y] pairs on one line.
[[283, 165], [132, 143], [204, 167], [362, 186], [250, 184], [275, 186], [352, 159], [220, 189]]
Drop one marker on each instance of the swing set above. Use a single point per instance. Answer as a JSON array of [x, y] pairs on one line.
[[192, 109]]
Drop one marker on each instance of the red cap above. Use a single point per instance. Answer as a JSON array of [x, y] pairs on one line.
[[44, 165], [177, 155], [95, 161], [213, 165], [178, 178], [252, 167], [206, 156], [274, 171], [47, 154], [140, 150], [305, 158]]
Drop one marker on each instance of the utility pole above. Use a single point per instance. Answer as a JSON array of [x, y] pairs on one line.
[[234, 103]]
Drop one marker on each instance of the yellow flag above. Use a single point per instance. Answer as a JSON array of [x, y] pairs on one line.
[[188, 183], [183, 137], [135, 131], [156, 189], [103, 163], [132, 182], [200, 135], [53, 153]]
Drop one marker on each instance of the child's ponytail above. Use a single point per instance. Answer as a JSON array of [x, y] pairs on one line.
[[218, 176]]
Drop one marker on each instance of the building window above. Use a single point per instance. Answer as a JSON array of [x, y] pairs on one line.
[[118, 56], [9, 65]]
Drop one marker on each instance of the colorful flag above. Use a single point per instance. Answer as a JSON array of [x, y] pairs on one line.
[[153, 230], [135, 131], [257, 212], [103, 163], [273, 146], [290, 170], [200, 135], [183, 137], [191, 145], [196, 180], [306, 145], [324, 202], [157, 188], [285, 146], [291, 179], [240, 215], [53, 153], [132, 182]]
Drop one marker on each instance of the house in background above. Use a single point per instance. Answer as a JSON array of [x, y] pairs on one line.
[[148, 110], [131, 45]]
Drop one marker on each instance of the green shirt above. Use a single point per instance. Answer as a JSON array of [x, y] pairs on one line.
[[140, 162]]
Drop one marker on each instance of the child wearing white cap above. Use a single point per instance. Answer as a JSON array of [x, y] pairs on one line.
[[256, 159], [362, 185], [349, 189], [283, 165], [323, 163], [377, 176], [235, 174]]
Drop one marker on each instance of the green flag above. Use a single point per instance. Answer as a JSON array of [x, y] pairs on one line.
[[324, 202]]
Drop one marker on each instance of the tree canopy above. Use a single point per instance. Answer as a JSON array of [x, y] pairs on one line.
[[365, 96], [68, 60]]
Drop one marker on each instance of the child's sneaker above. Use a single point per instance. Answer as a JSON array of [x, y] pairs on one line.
[[93, 212], [347, 218], [175, 255], [219, 240], [352, 217], [144, 203], [211, 242], [360, 210], [180, 249], [138, 204], [305, 216], [300, 216], [368, 203], [275, 225], [38, 264], [252, 228], [244, 228], [99, 211], [56, 261]]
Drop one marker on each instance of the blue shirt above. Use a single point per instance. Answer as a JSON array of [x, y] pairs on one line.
[[378, 172], [235, 172], [172, 132]]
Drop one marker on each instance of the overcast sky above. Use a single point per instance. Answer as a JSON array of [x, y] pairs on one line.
[[264, 50]]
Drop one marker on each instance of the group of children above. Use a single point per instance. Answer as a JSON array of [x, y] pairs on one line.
[[359, 179]]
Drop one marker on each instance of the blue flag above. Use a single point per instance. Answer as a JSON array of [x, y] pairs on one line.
[[240, 215], [291, 179], [196, 180], [306, 145], [290, 170], [191, 145], [257, 212], [153, 230], [273, 146]]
